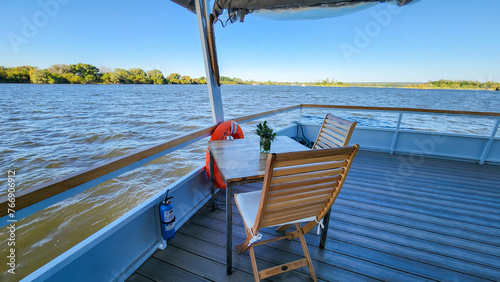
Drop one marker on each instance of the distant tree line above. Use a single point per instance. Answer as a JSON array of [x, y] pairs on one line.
[[461, 84], [327, 82], [85, 73], [440, 84]]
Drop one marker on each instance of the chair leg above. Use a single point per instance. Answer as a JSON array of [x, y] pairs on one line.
[[306, 252], [284, 267], [243, 247], [254, 264]]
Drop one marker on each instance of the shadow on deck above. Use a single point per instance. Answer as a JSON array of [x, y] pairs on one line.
[[397, 218]]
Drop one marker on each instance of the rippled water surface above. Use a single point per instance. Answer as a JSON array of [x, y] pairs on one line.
[[50, 131]]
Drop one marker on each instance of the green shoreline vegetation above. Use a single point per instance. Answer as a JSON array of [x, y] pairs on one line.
[[89, 74]]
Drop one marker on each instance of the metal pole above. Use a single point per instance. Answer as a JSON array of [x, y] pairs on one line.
[[490, 141], [213, 89], [396, 133], [229, 228]]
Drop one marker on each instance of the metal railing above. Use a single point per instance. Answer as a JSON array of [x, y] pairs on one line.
[[401, 111], [36, 198]]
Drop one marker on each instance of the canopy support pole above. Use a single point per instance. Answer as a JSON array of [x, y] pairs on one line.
[[213, 88]]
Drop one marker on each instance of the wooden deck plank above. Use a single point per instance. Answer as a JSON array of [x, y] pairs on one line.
[[451, 263], [434, 188], [371, 185], [190, 262], [417, 224], [135, 277], [343, 261], [276, 255], [427, 174], [410, 265], [428, 271], [427, 166], [418, 210], [431, 180], [217, 219], [411, 232], [198, 265], [442, 164], [406, 166], [420, 244], [394, 217], [160, 271], [434, 220], [435, 204], [455, 265], [271, 256], [204, 247]]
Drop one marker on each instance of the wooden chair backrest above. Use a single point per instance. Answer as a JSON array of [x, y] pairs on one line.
[[334, 132], [302, 184]]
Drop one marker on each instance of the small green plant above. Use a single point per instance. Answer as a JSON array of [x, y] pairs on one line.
[[265, 132]]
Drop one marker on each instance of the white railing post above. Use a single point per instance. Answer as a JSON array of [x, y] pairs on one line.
[[300, 115], [490, 141], [213, 88], [396, 133]]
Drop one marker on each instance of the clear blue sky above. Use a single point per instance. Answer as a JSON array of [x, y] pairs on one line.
[[428, 40]]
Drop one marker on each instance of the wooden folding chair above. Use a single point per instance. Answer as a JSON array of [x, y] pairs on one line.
[[334, 132], [298, 187]]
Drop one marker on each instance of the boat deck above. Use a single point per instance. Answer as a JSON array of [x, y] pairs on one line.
[[397, 218]]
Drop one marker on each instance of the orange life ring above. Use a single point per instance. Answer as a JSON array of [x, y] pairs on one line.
[[222, 132]]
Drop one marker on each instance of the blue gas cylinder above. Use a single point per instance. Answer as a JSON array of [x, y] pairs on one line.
[[167, 219]]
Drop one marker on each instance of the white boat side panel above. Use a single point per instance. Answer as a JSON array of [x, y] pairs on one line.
[[310, 130], [190, 196], [116, 251], [494, 153], [290, 131], [433, 144], [372, 139], [108, 259]]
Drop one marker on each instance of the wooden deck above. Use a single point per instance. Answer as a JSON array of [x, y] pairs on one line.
[[428, 219]]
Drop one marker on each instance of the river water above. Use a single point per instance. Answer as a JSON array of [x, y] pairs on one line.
[[49, 131]]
